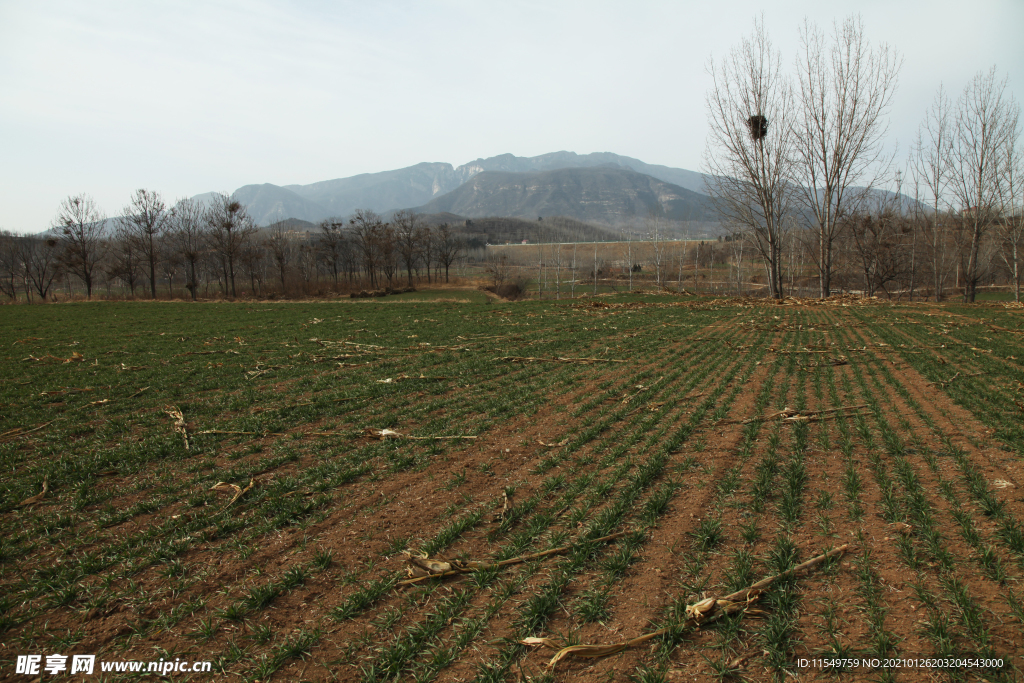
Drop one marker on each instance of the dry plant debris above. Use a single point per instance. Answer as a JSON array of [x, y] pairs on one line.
[[224, 487], [75, 357], [402, 378], [179, 424], [585, 361], [38, 498], [17, 432], [422, 567], [392, 434], [699, 613], [793, 415]]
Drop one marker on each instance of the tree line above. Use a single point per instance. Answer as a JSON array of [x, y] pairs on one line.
[[802, 170], [218, 247]]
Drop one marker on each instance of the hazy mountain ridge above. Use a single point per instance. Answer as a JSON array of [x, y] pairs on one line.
[[605, 194], [269, 203], [419, 184]]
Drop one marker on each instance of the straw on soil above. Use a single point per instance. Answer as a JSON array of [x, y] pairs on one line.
[[179, 424], [18, 432], [392, 434], [38, 498], [225, 487], [443, 568], [532, 359], [702, 612]]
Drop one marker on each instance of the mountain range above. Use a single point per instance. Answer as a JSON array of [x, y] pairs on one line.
[[602, 187]]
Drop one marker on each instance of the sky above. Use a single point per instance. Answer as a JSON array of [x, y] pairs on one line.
[[190, 97]]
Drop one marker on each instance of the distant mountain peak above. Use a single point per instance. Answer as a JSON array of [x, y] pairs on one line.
[[421, 183]]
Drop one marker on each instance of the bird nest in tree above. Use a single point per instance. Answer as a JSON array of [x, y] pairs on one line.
[[758, 126]]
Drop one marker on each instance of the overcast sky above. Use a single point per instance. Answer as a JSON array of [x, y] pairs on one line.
[[183, 98]]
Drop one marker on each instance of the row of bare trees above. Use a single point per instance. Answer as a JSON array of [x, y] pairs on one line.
[[806, 156], [217, 245]]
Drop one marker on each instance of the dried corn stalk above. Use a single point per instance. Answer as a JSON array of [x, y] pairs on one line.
[[179, 424], [392, 434], [505, 508], [585, 361], [17, 432], [38, 498], [792, 415], [224, 487], [461, 567], [704, 611], [75, 356]]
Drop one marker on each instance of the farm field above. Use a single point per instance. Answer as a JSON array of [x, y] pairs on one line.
[[246, 483]]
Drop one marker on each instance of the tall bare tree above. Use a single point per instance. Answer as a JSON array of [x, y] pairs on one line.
[[386, 244], [230, 228], [930, 159], [427, 237], [367, 227], [143, 221], [654, 225], [1011, 218], [188, 237], [279, 244], [79, 226], [11, 269], [42, 263], [750, 152], [254, 261], [846, 87], [449, 247], [125, 261], [986, 122], [332, 246], [407, 242]]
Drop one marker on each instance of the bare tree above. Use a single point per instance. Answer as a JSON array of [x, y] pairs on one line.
[[386, 244], [556, 249], [572, 282], [846, 87], [428, 247], [629, 254], [143, 222], [654, 225], [751, 147], [879, 246], [187, 236], [230, 228], [407, 240], [306, 262], [11, 268], [736, 246], [499, 268], [125, 260], [279, 244], [366, 229], [41, 260], [170, 263], [253, 260], [332, 246], [1011, 214], [986, 122], [79, 225], [449, 247], [930, 159], [680, 260]]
